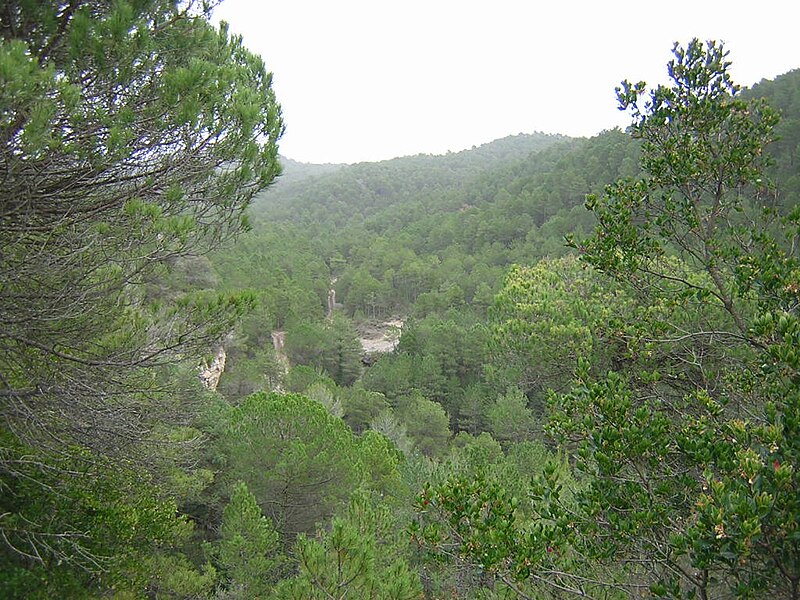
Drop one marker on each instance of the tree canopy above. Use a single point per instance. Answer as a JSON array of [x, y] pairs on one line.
[[686, 447], [614, 417], [132, 134]]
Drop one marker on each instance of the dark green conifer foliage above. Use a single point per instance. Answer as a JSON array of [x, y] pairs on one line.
[[300, 462], [132, 134], [248, 545]]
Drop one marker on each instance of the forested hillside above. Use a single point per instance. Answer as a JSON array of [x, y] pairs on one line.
[[542, 368]]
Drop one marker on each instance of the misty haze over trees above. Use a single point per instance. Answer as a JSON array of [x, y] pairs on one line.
[[591, 379]]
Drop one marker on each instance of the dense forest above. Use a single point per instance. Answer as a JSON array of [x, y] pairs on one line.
[[542, 368]]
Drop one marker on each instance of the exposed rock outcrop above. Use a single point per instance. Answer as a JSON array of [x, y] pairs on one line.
[[380, 339], [278, 341], [210, 374]]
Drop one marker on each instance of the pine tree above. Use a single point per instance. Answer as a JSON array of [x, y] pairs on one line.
[[247, 550]]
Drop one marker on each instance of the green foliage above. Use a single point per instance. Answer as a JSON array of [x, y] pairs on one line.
[[174, 576], [703, 148], [474, 519], [359, 557], [365, 294], [474, 453], [424, 235], [332, 346], [248, 371], [704, 487], [453, 347], [783, 94], [395, 375], [685, 448], [510, 419], [133, 135], [383, 461], [549, 316], [76, 523], [301, 377], [285, 267], [248, 545], [361, 407], [387, 424], [484, 518], [426, 423], [300, 462], [325, 396]]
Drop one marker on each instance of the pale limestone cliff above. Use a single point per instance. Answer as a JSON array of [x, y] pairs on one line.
[[210, 374]]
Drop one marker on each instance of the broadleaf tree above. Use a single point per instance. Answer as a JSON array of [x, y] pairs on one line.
[[687, 449], [725, 437]]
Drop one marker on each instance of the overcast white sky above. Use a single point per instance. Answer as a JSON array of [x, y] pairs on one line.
[[364, 80]]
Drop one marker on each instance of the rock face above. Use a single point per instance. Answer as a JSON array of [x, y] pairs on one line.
[[210, 374], [278, 341], [331, 302], [380, 338]]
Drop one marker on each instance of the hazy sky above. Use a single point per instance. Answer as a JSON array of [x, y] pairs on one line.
[[374, 79]]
